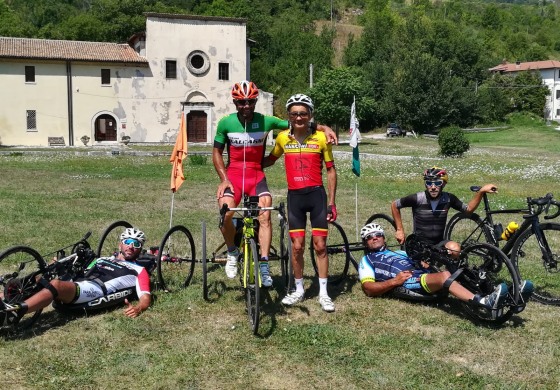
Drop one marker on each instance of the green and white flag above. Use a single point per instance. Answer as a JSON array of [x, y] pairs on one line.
[[355, 138]]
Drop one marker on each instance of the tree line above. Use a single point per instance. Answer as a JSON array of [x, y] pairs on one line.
[[423, 63]]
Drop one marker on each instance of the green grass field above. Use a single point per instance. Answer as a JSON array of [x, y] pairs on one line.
[[50, 199]]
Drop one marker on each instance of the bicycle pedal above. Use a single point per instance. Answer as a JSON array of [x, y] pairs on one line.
[[220, 259]]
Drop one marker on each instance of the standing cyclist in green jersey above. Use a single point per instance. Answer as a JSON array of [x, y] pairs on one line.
[[245, 133]]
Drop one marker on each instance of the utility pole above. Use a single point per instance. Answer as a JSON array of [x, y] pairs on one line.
[[310, 75]]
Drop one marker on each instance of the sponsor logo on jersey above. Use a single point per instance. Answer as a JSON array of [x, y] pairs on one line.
[[111, 297]]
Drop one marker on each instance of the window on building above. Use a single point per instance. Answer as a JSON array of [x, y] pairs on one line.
[[29, 74], [105, 76], [558, 112], [223, 71], [170, 69], [31, 120], [558, 94]]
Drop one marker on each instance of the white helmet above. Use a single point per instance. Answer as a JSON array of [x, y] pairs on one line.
[[371, 228], [300, 98], [134, 233]]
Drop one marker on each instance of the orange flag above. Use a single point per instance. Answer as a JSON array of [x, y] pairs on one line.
[[177, 156]]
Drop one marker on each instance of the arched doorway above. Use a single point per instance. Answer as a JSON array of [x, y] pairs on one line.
[[196, 126], [105, 128]]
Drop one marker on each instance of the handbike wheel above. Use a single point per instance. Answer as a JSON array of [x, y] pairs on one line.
[[338, 252], [389, 227], [540, 266], [467, 230], [176, 259], [110, 239], [485, 268], [20, 269], [251, 274], [204, 264]]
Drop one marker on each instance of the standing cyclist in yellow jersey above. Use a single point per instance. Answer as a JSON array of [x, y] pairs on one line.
[[245, 133], [305, 152]]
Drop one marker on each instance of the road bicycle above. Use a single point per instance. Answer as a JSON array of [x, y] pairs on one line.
[[282, 252], [247, 241], [23, 272], [479, 268], [534, 248]]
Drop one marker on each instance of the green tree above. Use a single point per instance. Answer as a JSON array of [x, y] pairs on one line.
[[334, 93]]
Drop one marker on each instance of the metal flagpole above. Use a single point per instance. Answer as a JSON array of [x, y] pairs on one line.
[[356, 198], [171, 215]]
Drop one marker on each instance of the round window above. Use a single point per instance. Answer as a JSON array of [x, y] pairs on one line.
[[198, 62]]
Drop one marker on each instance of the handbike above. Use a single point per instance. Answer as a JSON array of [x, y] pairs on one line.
[[479, 268], [24, 272], [534, 248]]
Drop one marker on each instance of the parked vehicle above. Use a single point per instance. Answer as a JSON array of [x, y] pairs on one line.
[[393, 129]]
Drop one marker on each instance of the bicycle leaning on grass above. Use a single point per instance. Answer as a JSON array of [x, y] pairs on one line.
[[534, 248]]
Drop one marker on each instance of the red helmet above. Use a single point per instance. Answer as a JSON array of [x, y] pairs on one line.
[[244, 90]]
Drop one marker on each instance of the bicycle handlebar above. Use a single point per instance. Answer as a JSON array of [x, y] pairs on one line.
[[543, 205]]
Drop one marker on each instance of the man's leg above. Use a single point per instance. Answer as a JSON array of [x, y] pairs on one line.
[[320, 247], [491, 301], [228, 231], [265, 237], [66, 293], [56, 289], [298, 248]]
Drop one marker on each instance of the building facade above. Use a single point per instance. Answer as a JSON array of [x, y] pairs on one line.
[[181, 65], [550, 74]]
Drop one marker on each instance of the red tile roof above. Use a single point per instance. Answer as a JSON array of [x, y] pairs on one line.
[[45, 49], [535, 65]]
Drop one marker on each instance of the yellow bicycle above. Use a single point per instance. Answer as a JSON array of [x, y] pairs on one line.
[[249, 262]]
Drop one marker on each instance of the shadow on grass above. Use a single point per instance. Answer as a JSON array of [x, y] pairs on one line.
[[455, 307], [48, 321]]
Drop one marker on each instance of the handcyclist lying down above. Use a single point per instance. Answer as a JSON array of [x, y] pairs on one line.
[[245, 133], [104, 277], [382, 270]]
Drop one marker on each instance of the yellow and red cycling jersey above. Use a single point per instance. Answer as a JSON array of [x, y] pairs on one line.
[[304, 161]]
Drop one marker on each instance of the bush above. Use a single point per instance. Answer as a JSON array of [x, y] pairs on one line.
[[198, 159], [452, 142]]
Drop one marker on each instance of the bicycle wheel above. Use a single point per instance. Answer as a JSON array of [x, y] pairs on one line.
[[110, 239], [20, 269], [175, 259], [467, 230], [485, 267], [286, 257], [338, 252], [251, 274], [388, 225], [542, 270], [204, 264]]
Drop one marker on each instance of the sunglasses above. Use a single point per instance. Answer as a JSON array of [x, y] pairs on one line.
[[374, 235], [437, 183], [131, 241], [295, 114], [241, 103]]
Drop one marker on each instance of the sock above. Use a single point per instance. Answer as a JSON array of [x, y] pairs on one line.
[[323, 286], [264, 260], [233, 250], [299, 286]]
